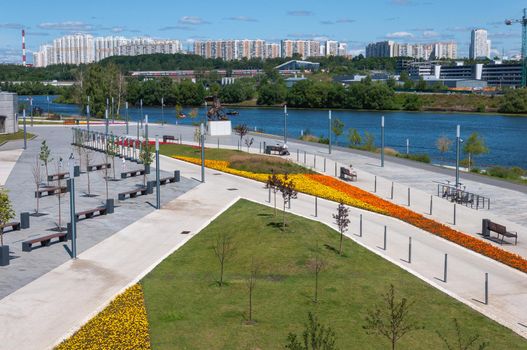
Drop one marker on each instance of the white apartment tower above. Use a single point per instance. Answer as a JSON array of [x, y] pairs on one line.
[[479, 44]]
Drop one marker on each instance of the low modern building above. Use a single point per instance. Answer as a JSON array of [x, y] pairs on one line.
[[295, 66], [8, 113]]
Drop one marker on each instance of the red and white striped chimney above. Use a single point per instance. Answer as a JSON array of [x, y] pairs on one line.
[[24, 47]]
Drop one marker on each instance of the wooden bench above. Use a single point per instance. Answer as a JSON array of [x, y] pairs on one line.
[[133, 193], [43, 240], [281, 150], [348, 174], [165, 180], [89, 213], [15, 226], [132, 173], [50, 191], [167, 138], [489, 226], [98, 166], [59, 176]]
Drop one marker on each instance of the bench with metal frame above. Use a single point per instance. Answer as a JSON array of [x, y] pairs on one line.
[[281, 150], [59, 176], [89, 213], [347, 174], [141, 191], [132, 173], [488, 226], [98, 166], [50, 191], [44, 241]]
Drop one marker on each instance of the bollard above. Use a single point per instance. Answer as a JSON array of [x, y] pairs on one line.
[[391, 192], [289, 204], [335, 169], [445, 268], [431, 199], [218, 143], [375, 184], [360, 226], [314, 161], [409, 250], [304, 157], [180, 139], [486, 288], [408, 196], [454, 213], [260, 148], [269, 200], [297, 157], [177, 175], [316, 206], [324, 164], [384, 246]]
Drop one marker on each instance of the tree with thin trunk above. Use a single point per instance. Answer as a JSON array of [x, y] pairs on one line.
[[112, 151], [342, 221], [37, 180], [443, 145], [146, 157], [6, 212], [273, 182], [474, 145], [462, 342], [314, 337], [45, 157], [250, 282], [337, 126], [392, 319], [105, 173], [287, 187], [241, 130], [88, 157], [316, 265], [249, 143], [224, 249]]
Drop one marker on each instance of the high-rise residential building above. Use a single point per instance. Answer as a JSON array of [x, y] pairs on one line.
[[343, 49], [479, 44], [332, 48], [84, 48], [272, 50], [232, 49], [305, 48], [437, 50]]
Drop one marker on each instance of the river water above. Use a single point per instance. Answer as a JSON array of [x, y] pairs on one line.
[[505, 136]]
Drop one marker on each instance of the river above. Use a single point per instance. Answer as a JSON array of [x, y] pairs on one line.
[[505, 136]]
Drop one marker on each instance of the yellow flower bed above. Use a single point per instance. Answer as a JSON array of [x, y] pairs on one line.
[[302, 182], [121, 325]]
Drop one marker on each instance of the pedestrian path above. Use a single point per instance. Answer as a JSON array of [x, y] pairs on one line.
[[8, 160], [35, 317]]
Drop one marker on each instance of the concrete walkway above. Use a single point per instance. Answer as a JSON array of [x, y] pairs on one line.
[[8, 160], [34, 317]]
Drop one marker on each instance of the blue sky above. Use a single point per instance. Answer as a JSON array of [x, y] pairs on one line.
[[355, 22]]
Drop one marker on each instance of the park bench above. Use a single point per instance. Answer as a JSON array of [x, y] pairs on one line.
[[98, 166], [165, 180], [488, 226], [50, 191], [132, 173], [43, 240], [58, 176], [280, 150], [133, 193], [167, 138], [15, 226], [89, 213], [348, 174]]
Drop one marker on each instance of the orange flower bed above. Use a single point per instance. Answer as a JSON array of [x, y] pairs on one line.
[[330, 188], [418, 220]]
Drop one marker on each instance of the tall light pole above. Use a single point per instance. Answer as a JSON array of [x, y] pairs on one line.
[[25, 133], [88, 115], [142, 116], [158, 184], [48, 105], [73, 219], [382, 141], [285, 124], [146, 126], [113, 112], [31, 110], [126, 107], [458, 146], [162, 111], [106, 120], [329, 131], [407, 146], [202, 140]]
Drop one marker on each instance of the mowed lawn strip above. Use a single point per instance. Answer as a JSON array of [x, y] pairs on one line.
[[262, 164], [19, 135], [188, 310]]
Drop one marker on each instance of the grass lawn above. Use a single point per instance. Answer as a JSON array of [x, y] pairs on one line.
[[255, 163], [188, 310], [19, 135]]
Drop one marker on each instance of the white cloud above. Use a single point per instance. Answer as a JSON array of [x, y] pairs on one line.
[[241, 19], [67, 25], [11, 26], [192, 20], [399, 35], [430, 34], [300, 13]]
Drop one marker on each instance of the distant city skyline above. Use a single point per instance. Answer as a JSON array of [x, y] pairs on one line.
[[356, 24]]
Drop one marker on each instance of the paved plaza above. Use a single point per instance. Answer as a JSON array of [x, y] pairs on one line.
[[136, 239]]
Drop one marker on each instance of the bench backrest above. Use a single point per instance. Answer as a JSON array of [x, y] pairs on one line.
[[497, 227]]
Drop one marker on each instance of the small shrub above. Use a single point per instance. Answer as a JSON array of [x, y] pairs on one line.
[[418, 157]]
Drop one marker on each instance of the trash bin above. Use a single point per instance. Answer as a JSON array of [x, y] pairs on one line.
[[109, 206], [24, 220], [177, 175]]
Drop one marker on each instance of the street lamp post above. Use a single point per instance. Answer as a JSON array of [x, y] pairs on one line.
[[158, 184], [25, 133], [126, 107], [162, 111], [407, 146], [106, 120], [329, 131], [142, 116], [88, 115], [458, 144], [48, 105], [285, 124], [73, 219], [382, 141], [113, 112], [202, 140], [31, 110], [146, 126]]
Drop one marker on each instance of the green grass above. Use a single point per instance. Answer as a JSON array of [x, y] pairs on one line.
[[19, 135], [188, 310], [238, 159]]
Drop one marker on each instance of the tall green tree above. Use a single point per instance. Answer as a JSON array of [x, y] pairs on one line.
[[354, 137], [45, 156], [474, 146], [337, 126]]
